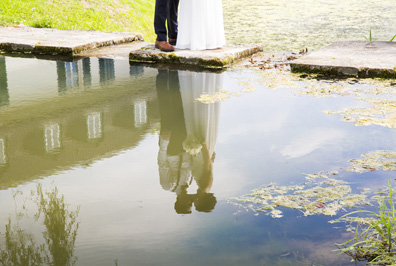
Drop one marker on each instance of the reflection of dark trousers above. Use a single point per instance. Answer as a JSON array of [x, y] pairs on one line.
[[166, 13], [171, 110]]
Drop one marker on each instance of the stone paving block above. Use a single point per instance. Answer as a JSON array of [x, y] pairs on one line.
[[59, 42], [215, 59], [351, 58], [120, 51]]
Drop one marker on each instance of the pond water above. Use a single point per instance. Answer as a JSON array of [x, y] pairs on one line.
[[290, 25], [106, 163]]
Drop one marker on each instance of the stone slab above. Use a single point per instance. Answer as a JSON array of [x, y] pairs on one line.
[[209, 59], [59, 42], [120, 51], [352, 58]]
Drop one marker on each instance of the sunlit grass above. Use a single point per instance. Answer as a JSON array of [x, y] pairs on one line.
[[101, 15]]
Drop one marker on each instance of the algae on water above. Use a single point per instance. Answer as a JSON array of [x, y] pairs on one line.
[[225, 95], [320, 194], [378, 96], [375, 160], [216, 97]]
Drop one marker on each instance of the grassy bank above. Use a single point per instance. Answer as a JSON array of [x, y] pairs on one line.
[[102, 15]]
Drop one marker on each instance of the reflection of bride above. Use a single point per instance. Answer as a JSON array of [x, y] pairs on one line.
[[201, 127], [201, 119], [195, 136]]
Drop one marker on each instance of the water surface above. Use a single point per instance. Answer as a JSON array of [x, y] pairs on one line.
[[290, 25], [106, 163], [141, 171]]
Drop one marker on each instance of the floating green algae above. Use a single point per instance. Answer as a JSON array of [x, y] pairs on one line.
[[320, 89], [216, 97], [224, 95], [379, 96], [381, 112], [373, 161], [279, 79], [286, 25], [319, 194]]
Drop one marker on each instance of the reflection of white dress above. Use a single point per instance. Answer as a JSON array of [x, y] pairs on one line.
[[201, 119], [200, 25], [174, 170]]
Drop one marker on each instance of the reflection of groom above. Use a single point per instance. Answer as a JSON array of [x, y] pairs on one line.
[[166, 13], [177, 168]]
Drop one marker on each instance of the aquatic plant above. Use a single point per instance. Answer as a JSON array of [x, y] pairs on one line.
[[22, 247], [223, 95], [375, 231], [215, 97], [373, 161], [275, 80], [319, 194], [370, 38], [378, 96]]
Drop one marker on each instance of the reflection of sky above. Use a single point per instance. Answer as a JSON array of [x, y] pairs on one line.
[[282, 136], [312, 141], [264, 136]]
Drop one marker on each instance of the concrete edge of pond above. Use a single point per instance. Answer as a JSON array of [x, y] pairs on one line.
[[29, 40], [207, 59], [361, 59]]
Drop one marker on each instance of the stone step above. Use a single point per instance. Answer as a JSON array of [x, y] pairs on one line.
[[208, 59], [362, 59], [28, 40]]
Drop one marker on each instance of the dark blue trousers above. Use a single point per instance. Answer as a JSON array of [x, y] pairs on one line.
[[166, 15]]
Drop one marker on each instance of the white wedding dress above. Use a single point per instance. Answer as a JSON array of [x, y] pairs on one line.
[[201, 25]]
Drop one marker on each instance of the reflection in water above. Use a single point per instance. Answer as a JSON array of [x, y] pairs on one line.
[[94, 125], [187, 137], [3, 156], [4, 95], [87, 77], [140, 113], [135, 71], [59, 122], [21, 247], [74, 75], [78, 75], [82, 75], [106, 69], [52, 137]]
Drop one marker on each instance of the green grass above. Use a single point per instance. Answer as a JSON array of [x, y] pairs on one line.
[[101, 15], [375, 232], [370, 38]]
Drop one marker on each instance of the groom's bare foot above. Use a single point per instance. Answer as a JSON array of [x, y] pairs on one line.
[[164, 46]]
